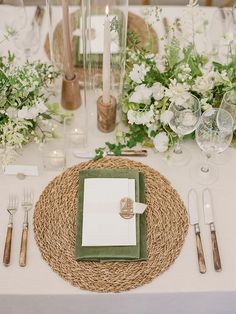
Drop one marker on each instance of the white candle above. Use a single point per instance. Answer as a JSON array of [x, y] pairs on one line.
[[56, 159], [68, 64], [77, 136], [106, 59]]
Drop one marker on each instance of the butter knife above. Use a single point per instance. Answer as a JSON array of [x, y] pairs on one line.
[[209, 220], [125, 152], [194, 221]]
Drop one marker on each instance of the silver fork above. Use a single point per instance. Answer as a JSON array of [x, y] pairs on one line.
[[27, 205], [12, 208]]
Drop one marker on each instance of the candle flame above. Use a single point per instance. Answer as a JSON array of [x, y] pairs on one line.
[[107, 10]]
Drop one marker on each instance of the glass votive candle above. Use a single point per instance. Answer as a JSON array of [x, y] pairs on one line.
[[75, 132], [53, 155]]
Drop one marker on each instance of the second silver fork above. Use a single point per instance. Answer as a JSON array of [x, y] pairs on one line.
[[27, 205]]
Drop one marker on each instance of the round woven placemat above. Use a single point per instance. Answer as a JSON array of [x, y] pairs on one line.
[[55, 229]]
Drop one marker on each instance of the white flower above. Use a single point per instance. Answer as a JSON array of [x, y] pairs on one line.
[[158, 91], [207, 82], [161, 142], [140, 117], [166, 116], [141, 94], [138, 73], [178, 93]]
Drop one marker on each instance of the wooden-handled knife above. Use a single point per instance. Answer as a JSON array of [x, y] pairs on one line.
[[194, 220], [209, 220]]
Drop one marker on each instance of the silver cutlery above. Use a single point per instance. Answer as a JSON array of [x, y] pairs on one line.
[[12, 208], [194, 221], [209, 220], [27, 205]]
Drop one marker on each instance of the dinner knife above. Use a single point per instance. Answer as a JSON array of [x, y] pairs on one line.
[[209, 219], [194, 220]]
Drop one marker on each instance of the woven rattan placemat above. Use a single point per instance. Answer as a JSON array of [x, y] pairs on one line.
[[55, 228]]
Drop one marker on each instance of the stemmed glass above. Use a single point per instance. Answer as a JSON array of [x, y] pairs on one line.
[[27, 39], [213, 135], [219, 33], [13, 18], [184, 120], [228, 103]]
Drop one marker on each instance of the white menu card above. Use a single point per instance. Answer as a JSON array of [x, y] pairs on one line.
[[102, 224]]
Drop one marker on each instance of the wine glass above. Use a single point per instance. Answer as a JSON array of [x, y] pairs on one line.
[[228, 103], [13, 18], [219, 33], [27, 39], [232, 31], [183, 121], [213, 135]]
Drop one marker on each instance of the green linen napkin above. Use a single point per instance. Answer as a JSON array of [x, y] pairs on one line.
[[137, 252]]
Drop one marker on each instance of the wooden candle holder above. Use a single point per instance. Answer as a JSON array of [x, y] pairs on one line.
[[70, 93], [106, 115]]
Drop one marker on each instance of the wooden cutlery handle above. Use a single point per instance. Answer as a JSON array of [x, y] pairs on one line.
[[200, 254], [7, 248], [215, 250], [23, 247]]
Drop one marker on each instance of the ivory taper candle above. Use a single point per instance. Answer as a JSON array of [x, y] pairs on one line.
[[68, 64], [106, 58]]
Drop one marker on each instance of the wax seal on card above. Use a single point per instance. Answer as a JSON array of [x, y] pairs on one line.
[[126, 208]]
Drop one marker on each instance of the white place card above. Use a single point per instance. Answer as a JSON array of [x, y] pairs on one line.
[[102, 223], [21, 169]]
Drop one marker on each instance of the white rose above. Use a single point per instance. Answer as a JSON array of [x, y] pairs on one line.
[[166, 116], [138, 73], [161, 142], [141, 94], [158, 91]]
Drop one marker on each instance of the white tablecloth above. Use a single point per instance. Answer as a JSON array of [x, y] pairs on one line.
[[36, 289]]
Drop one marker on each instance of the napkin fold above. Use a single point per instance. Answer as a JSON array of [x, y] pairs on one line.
[[117, 253]]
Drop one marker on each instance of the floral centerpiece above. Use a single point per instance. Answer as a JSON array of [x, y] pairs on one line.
[[152, 82], [25, 114]]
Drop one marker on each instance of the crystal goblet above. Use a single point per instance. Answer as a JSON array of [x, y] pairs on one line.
[[183, 121]]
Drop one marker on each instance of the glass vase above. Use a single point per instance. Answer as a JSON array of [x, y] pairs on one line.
[[54, 47], [104, 70]]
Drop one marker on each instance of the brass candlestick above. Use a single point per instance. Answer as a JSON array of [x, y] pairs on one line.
[[106, 114], [70, 93]]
